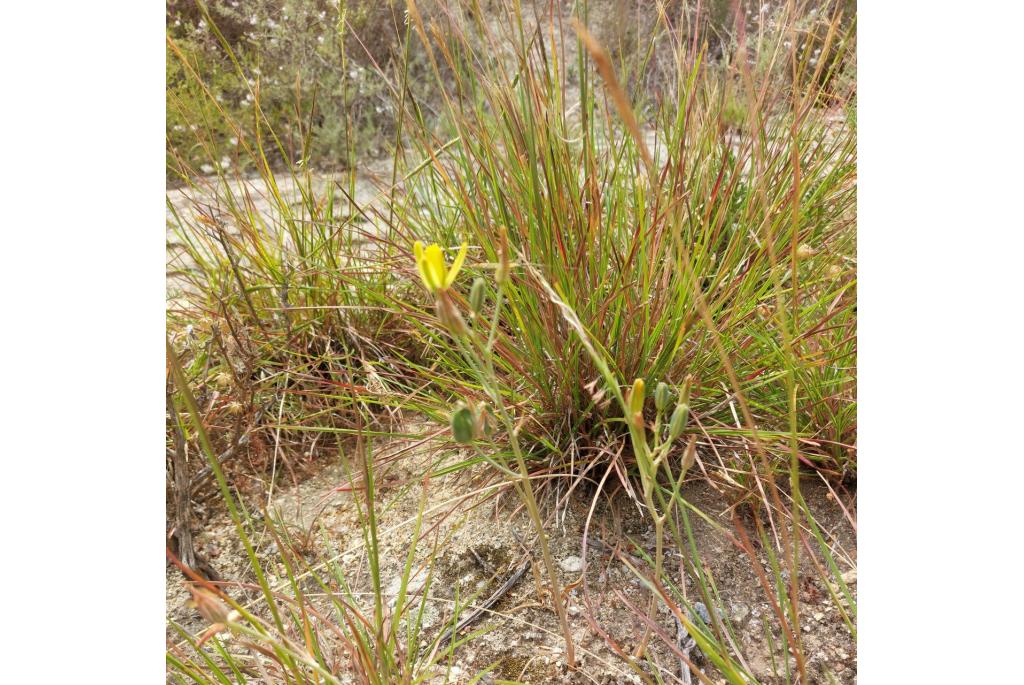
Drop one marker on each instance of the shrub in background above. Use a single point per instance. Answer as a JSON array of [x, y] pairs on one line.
[[310, 64]]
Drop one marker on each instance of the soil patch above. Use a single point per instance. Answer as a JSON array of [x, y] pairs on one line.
[[477, 535]]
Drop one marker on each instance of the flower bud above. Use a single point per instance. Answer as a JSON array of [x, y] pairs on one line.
[[661, 396], [476, 296], [678, 421], [636, 396], [635, 401], [462, 424], [684, 392]]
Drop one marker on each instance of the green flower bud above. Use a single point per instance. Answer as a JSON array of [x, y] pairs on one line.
[[462, 424], [678, 421], [661, 396], [476, 295]]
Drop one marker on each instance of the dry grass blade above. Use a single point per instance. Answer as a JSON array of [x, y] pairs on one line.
[[611, 82]]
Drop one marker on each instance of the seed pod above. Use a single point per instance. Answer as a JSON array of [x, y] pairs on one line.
[[211, 607], [462, 424], [804, 251], [661, 396], [690, 455], [476, 295], [449, 316], [480, 420], [678, 421]]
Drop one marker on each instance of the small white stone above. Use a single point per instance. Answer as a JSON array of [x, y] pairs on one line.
[[571, 564]]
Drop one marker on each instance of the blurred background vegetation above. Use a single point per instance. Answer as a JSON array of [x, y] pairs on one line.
[[323, 74], [308, 64]]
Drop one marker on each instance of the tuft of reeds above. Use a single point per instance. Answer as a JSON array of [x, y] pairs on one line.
[[698, 233], [737, 188]]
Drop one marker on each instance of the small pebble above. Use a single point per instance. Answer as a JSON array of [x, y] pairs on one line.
[[571, 564], [702, 612]]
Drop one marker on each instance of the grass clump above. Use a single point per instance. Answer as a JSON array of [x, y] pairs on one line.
[[656, 282], [737, 189]]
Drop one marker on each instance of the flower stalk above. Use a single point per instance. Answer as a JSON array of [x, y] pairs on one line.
[[467, 425]]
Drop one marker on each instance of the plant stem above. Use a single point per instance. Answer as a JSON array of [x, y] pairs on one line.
[[480, 359], [549, 562]]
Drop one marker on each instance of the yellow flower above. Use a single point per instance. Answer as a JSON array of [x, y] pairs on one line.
[[636, 396], [430, 263], [635, 400]]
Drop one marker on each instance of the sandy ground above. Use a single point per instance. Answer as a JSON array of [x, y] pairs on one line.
[[474, 536]]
